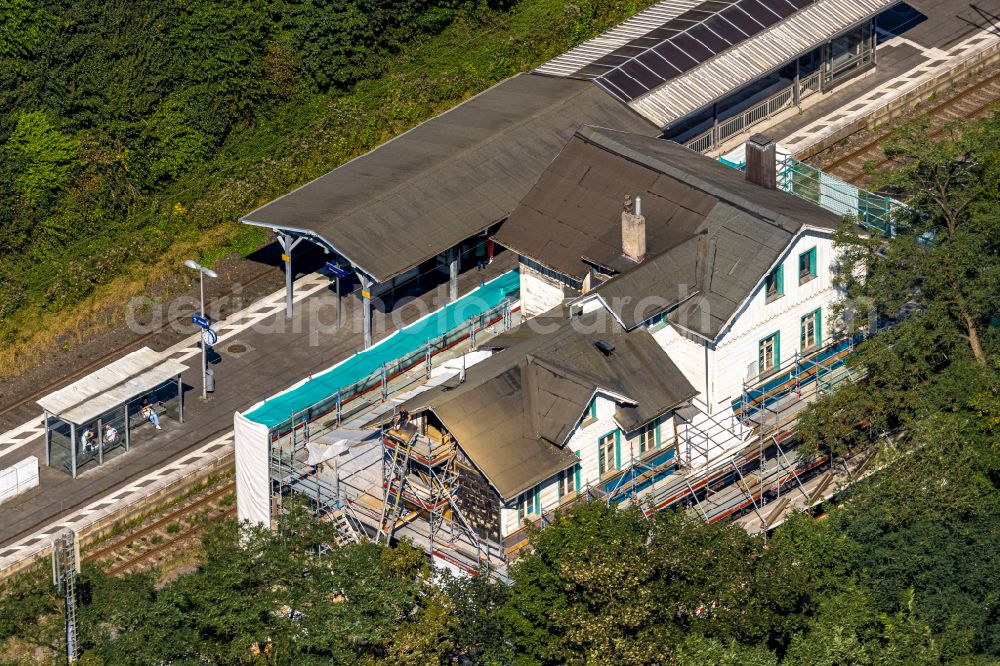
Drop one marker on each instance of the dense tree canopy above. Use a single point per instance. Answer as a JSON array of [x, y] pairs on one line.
[[128, 127], [903, 570]]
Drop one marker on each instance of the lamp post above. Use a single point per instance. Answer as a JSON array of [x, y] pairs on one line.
[[202, 272]]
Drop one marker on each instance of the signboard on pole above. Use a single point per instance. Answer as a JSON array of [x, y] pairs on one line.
[[198, 320]]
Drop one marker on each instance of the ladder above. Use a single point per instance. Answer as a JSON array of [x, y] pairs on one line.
[[392, 508]]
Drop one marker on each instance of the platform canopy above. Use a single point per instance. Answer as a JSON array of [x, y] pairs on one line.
[[112, 386], [700, 52], [447, 179], [753, 58]]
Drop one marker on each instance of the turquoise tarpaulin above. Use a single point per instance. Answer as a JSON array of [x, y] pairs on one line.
[[279, 408]]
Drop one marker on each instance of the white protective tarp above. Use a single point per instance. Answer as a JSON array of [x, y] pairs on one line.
[[253, 484], [335, 443]]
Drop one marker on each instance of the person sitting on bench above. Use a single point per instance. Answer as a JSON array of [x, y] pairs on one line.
[[148, 413], [110, 434], [89, 439]]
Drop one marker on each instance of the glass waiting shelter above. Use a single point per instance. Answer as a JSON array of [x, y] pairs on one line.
[[95, 418]]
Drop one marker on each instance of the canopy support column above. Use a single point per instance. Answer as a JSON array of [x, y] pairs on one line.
[[288, 244], [72, 449], [180, 400], [366, 304], [128, 427], [48, 440], [100, 441], [453, 255]]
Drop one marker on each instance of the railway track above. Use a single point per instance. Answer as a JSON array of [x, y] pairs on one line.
[[118, 351], [971, 102], [108, 552]]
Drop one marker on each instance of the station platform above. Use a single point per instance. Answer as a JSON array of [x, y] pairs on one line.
[[939, 40], [259, 353]]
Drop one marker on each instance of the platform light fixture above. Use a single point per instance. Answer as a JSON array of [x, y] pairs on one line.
[[202, 272]]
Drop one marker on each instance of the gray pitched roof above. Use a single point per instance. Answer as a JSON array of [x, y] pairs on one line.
[[711, 235], [515, 410], [446, 179]]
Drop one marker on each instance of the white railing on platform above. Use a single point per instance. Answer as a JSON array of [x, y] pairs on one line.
[[715, 136]]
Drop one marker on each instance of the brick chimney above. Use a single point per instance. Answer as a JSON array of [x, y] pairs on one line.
[[761, 167], [633, 230]]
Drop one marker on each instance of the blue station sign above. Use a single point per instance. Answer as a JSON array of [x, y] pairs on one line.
[[337, 271]]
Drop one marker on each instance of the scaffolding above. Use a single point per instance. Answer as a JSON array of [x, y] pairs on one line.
[[414, 483], [422, 481], [363, 508], [872, 211]]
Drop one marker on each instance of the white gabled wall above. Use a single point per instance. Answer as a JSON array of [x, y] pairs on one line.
[[584, 442], [539, 293], [689, 356], [738, 349], [719, 375]]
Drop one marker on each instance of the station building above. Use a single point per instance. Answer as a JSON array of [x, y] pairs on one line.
[[419, 209]]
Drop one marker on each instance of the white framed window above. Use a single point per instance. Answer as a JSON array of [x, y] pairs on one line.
[[809, 331], [768, 354], [647, 438], [566, 483], [606, 453]]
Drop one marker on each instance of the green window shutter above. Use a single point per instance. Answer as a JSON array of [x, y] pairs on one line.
[[777, 349], [819, 326], [538, 500], [812, 261], [593, 408], [656, 431], [779, 279], [618, 449], [578, 469]]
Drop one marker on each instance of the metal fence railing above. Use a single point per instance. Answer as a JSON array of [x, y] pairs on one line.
[[715, 136], [873, 211]]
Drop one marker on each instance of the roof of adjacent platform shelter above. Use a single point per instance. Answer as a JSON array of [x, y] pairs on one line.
[[702, 51], [515, 411], [129, 377], [712, 236], [446, 179], [754, 58]]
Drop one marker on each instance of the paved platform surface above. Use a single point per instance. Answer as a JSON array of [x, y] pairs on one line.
[[951, 32], [279, 352]]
